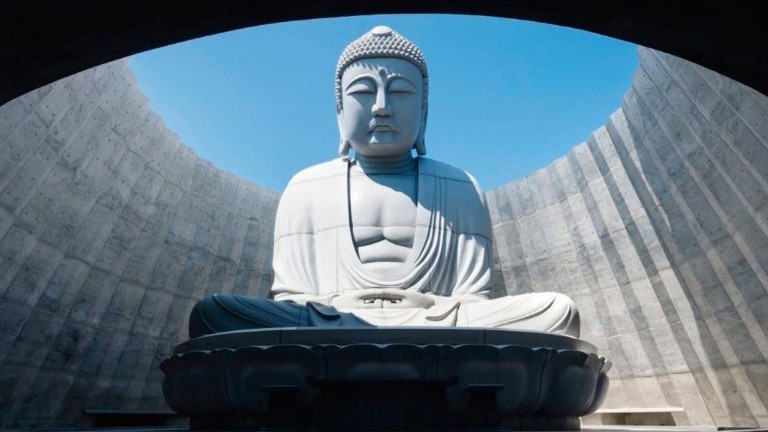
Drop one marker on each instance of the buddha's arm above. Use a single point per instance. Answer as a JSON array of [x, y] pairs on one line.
[[461, 298], [393, 297]]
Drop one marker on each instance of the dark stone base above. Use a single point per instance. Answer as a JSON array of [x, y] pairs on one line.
[[105, 418], [527, 424], [286, 379]]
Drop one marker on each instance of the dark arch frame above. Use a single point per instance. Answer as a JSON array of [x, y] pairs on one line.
[[42, 41]]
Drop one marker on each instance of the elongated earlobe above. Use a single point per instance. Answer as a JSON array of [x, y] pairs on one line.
[[343, 144], [343, 147], [420, 145]]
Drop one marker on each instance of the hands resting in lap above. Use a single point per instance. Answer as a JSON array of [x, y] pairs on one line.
[[379, 298]]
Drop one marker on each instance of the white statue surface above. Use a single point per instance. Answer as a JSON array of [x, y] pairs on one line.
[[380, 236]]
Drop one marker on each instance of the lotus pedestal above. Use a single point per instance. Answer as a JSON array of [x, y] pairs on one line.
[[385, 379]]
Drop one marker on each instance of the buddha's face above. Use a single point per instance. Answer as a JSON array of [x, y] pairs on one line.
[[381, 111]]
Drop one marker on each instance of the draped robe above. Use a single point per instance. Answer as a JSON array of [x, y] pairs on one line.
[[314, 251], [315, 258]]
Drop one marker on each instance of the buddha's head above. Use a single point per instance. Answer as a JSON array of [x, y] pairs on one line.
[[381, 95]]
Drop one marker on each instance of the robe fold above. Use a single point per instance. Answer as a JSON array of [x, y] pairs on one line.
[[314, 251], [315, 260]]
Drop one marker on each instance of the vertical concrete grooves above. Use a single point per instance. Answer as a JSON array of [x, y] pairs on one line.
[[657, 226], [663, 279], [110, 229], [713, 178]]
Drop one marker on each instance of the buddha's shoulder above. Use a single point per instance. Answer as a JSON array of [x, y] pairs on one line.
[[465, 206], [313, 191], [319, 173], [445, 171]]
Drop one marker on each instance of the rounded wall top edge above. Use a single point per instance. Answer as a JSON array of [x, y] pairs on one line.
[[64, 39]]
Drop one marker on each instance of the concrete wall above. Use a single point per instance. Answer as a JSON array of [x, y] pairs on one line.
[[657, 226], [110, 229]]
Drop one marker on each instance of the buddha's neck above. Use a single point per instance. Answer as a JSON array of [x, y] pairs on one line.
[[404, 164]]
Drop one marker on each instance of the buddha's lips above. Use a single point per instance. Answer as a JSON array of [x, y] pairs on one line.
[[375, 126]]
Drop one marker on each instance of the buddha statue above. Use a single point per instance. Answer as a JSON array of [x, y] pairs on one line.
[[380, 236]]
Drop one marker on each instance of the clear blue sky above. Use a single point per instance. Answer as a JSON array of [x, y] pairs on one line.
[[507, 97]]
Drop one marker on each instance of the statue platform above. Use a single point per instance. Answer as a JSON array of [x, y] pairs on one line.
[[385, 378]]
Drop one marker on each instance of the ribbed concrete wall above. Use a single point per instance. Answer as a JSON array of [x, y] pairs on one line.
[[657, 226], [110, 229]]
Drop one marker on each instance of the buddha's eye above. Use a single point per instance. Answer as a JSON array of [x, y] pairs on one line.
[[401, 85], [361, 87]]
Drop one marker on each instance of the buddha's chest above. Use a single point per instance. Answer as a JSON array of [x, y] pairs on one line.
[[383, 216]]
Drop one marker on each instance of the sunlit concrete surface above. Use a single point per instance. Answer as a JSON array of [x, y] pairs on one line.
[[110, 229]]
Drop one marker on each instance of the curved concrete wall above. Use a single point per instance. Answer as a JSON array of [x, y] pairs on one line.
[[110, 229], [657, 226]]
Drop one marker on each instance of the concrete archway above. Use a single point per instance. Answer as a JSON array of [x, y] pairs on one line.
[[41, 41], [111, 228]]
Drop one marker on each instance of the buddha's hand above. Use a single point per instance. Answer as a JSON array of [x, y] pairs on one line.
[[378, 298]]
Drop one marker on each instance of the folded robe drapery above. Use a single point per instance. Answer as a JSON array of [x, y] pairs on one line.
[[315, 259], [314, 251], [315, 256]]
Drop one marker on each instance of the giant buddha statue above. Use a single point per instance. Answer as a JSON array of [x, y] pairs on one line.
[[381, 236]]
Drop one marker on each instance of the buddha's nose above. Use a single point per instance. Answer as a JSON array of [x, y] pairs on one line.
[[380, 108]]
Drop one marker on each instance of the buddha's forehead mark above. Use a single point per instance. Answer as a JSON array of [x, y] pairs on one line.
[[382, 73]]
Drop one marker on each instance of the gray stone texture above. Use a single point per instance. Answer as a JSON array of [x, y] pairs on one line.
[[110, 230], [656, 226]]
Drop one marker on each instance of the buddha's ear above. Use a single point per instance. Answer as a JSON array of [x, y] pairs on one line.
[[343, 148], [420, 145], [343, 144]]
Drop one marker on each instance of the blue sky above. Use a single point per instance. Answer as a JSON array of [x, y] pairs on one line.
[[506, 97]]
